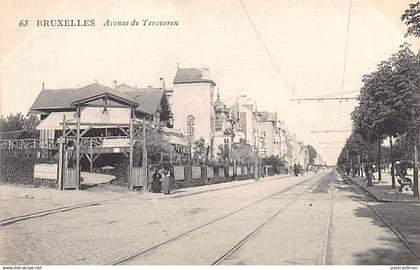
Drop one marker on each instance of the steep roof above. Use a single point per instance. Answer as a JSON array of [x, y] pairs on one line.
[[62, 98], [149, 98], [191, 75]]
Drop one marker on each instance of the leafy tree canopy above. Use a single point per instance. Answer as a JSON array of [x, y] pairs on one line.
[[411, 17]]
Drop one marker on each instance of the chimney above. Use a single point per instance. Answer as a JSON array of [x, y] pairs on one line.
[[115, 84], [205, 73], [162, 83], [43, 85]]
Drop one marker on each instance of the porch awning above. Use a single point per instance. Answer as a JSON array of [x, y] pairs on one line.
[[91, 117], [55, 119]]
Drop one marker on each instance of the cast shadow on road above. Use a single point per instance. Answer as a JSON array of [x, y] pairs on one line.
[[392, 251], [324, 184]]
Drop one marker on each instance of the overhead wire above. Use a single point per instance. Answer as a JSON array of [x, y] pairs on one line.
[[266, 48], [345, 58]]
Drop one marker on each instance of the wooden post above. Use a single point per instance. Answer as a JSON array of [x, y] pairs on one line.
[[78, 150], [61, 153], [144, 153], [90, 162], [60, 164], [130, 165]]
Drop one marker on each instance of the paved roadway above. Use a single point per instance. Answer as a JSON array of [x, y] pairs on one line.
[[310, 219]]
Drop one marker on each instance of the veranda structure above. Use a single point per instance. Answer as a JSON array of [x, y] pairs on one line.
[[101, 112]]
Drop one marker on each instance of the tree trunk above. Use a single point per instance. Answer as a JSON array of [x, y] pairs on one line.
[[392, 162], [416, 171], [369, 162], [379, 160]]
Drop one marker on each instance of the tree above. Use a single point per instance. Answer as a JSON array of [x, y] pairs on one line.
[[369, 115], [274, 161], [156, 145], [411, 17], [312, 154], [354, 151], [18, 122], [407, 86], [242, 152], [200, 151], [389, 102], [12, 122]]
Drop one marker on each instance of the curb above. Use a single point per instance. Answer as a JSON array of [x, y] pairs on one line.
[[379, 199], [270, 178]]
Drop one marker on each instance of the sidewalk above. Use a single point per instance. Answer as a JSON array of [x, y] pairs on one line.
[[20, 200], [183, 192], [383, 192]]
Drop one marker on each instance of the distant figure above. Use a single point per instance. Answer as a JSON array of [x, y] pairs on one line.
[[366, 170], [295, 169], [347, 170], [166, 181], [156, 184]]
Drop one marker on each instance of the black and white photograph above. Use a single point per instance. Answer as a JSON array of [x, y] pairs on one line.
[[210, 132]]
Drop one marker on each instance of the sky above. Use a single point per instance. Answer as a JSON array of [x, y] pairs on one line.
[[305, 40]]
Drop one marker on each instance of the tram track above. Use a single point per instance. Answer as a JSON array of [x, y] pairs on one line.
[[244, 240], [326, 254], [39, 214], [140, 253], [381, 217], [47, 212]]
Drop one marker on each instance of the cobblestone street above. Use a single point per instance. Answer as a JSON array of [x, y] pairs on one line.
[[199, 225]]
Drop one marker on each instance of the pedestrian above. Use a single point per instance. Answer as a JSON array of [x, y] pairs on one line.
[[366, 169], [156, 184], [166, 181], [295, 169]]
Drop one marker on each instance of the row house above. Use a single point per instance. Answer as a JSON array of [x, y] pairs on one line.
[[227, 127], [273, 135], [198, 114], [297, 152]]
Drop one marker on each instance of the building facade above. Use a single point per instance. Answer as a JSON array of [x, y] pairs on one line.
[[192, 96]]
